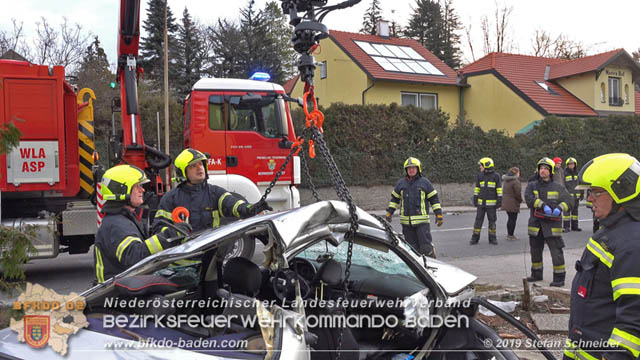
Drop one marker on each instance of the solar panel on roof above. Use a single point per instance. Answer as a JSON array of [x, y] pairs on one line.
[[398, 58]]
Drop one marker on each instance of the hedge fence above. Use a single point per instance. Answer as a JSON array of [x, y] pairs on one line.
[[371, 142]]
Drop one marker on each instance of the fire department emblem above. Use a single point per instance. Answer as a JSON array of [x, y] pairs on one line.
[[36, 330], [271, 164]]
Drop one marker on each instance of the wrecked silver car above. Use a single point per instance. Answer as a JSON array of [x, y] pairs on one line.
[[289, 301]]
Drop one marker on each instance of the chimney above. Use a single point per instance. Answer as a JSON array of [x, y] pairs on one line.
[[547, 70], [382, 28]]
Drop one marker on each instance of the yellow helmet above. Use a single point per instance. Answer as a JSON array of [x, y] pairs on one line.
[[185, 158], [118, 182], [413, 162], [486, 162], [546, 161], [618, 174], [572, 160]]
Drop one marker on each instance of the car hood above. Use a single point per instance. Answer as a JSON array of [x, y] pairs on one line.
[[297, 227]]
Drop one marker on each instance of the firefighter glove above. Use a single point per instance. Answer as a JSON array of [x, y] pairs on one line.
[[547, 210], [259, 207], [557, 211], [178, 229], [581, 196], [499, 202], [475, 200], [387, 217], [439, 219]]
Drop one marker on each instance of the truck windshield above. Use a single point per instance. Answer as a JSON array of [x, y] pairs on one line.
[[263, 114]]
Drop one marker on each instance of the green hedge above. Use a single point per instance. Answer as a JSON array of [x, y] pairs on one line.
[[371, 142]]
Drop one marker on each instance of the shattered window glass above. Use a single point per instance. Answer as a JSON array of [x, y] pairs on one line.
[[382, 261]]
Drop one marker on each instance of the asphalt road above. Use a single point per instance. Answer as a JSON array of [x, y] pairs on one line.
[[69, 273]]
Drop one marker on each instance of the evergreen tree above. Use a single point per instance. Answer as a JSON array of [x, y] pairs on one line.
[[152, 46], [435, 27], [371, 18], [280, 33], [190, 54], [452, 24], [228, 49], [94, 73]]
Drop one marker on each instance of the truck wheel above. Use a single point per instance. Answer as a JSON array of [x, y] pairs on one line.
[[244, 247]]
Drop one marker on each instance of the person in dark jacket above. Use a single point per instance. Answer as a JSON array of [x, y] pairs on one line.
[[558, 172], [511, 199], [570, 219], [411, 195], [121, 240], [206, 203], [605, 294], [487, 197], [547, 200]]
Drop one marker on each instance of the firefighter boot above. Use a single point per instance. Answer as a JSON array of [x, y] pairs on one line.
[[558, 279], [574, 225], [536, 275]]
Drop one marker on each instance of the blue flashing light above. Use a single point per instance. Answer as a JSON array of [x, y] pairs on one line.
[[260, 76]]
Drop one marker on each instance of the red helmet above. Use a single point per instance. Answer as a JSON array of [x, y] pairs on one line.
[[557, 160]]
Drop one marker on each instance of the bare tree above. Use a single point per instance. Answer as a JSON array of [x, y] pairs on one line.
[[467, 31], [65, 47], [497, 40], [559, 47], [14, 40]]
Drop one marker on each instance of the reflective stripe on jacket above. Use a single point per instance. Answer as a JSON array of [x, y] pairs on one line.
[[605, 293], [206, 203], [540, 193], [412, 197], [121, 242], [571, 181], [488, 188]]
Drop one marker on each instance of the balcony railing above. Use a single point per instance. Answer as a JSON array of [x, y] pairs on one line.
[[616, 101]]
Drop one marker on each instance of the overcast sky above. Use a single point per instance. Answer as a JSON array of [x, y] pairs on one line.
[[602, 25]]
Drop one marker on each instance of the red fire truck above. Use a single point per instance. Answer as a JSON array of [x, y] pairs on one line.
[[246, 127], [46, 182]]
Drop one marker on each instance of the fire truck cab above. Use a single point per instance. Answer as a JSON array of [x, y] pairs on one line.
[[246, 128]]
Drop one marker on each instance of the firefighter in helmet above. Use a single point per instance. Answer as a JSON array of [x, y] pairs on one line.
[[487, 197], [547, 200], [122, 240], [411, 195], [605, 297], [570, 219], [207, 203]]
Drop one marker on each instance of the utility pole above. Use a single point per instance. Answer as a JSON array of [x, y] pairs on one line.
[[166, 93]]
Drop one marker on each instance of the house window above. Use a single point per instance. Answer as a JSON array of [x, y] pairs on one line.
[[626, 93], [614, 92], [323, 70], [546, 87], [602, 91], [425, 101]]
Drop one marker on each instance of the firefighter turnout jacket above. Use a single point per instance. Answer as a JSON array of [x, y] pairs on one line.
[[605, 294], [540, 193], [488, 190], [412, 196], [121, 242], [206, 203], [571, 181]]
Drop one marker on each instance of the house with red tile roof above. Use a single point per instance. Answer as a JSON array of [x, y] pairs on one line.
[[378, 69], [514, 92]]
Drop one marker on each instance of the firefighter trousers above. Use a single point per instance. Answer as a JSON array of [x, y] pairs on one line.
[[477, 225], [555, 244], [419, 237], [570, 218]]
